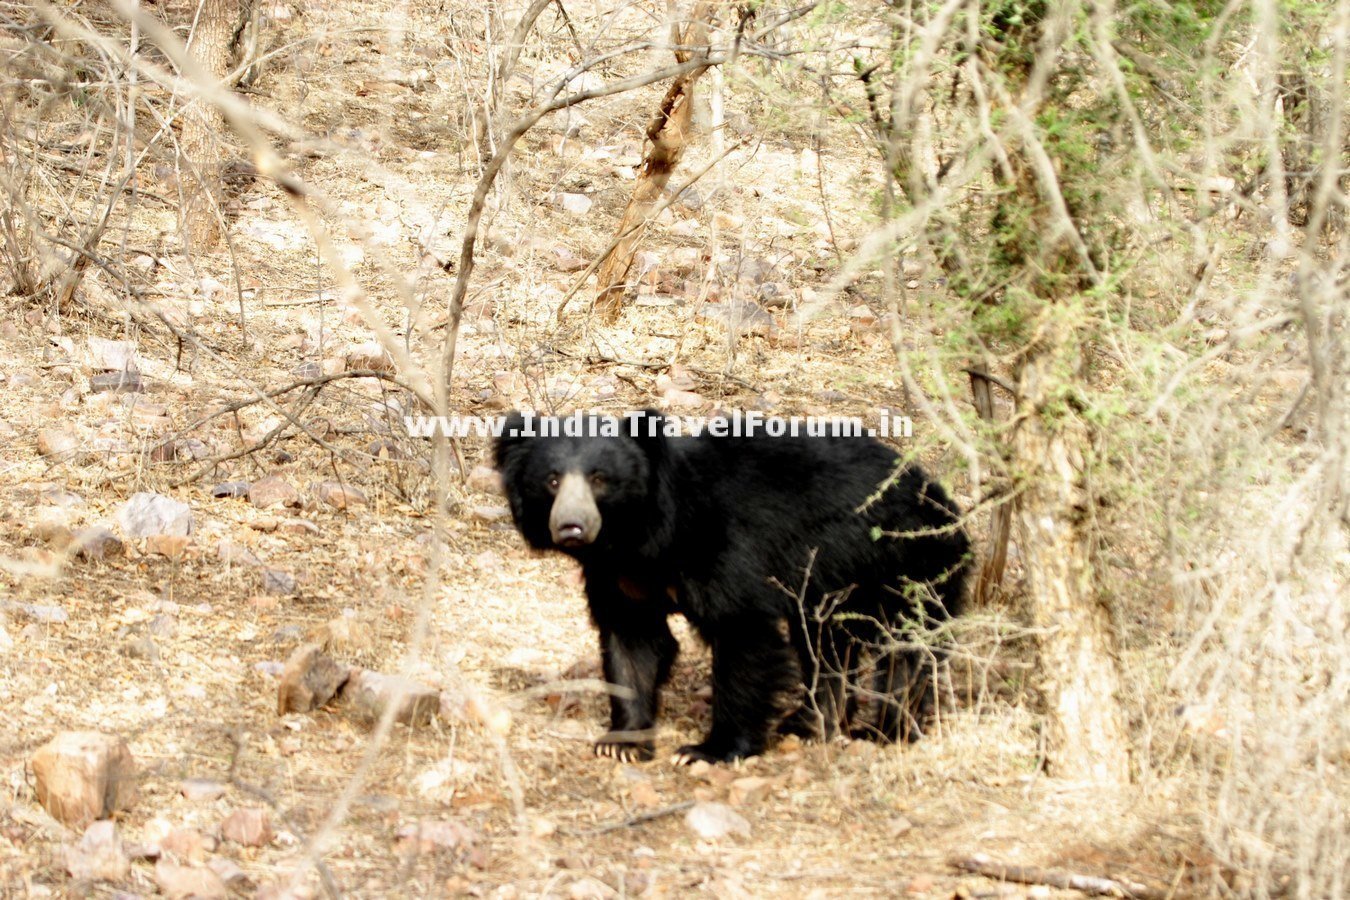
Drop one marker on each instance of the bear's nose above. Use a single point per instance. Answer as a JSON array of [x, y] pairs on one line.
[[575, 519], [570, 534]]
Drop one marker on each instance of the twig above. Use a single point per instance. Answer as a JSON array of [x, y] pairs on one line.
[[630, 821], [1093, 885]]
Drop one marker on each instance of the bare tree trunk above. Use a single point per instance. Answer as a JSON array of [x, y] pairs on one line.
[[989, 580], [1086, 737], [200, 144], [669, 134]]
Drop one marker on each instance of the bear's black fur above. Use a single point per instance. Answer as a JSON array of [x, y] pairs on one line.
[[802, 561]]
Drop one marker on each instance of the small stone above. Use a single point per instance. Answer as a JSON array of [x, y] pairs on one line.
[[201, 789], [187, 845], [116, 383], [590, 888], [110, 356], [297, 526], [231, 553], [485, 479], [184, 882], [862, 315], [81, 776], [57, 441], [99, 856], [564, 260], [229, 872], [142, 647], [341, 496], [714, 821], [750, 789], [371, 692], [46, 613], [309, 680], [230, 489], [147, 513], [576, 204], [279, 583], [273, 490], [163, 625], [370, 356], [676, 399], [490, 513], [96, 542], [250, 827], [171, 545]]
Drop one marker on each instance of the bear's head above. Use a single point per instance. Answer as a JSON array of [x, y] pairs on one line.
[[583, 490]]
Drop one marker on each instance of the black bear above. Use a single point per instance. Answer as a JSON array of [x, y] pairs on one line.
[[807, 563]]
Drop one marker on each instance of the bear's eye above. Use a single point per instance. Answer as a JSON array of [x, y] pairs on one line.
[[553, 481], [597, 480]]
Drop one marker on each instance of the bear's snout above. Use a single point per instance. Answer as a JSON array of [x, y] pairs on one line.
[[575, 519]]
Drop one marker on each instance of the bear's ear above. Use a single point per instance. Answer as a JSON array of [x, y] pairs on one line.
[[512, 435]]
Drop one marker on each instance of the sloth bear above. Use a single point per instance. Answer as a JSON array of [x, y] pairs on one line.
[[813, 567]]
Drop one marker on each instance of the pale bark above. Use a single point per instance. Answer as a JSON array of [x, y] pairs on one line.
[[200, 142], [1086, 737]]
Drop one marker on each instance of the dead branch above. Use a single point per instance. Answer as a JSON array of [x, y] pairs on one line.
[[668, 133], [980, 864], [630, 821]]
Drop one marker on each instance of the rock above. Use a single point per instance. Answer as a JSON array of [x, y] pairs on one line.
[[310, 679], [590, 888], [57, 441], [201, 789], [739, 317], [104, 355], [46, 613], [485, 479], [677, 399], [234, 554], [714, 821], [184, 882], [750, 789], [164, 625], [84, 775], [576, 204], [186, 845], [230, 489], [273, 490], [99, 856], [250, 827], [278, 583], [862, 316], [96, 542], [490, 513], [229, 872], [435, 836], [171, 545], [116, 383], [370, 356], [142, 647], [567, 261], [370, 693], [341, 496], [146, 514]]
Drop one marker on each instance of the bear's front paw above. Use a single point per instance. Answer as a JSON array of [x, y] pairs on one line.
[[712, 752], [624, 749]]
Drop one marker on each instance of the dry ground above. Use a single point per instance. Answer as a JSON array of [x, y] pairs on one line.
[[852, 820]]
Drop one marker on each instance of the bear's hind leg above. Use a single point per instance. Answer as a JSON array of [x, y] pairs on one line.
[[827, 663]]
